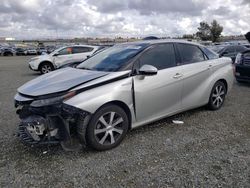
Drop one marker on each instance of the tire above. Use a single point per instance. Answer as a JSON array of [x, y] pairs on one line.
[[107, 128], [217, 96], [8, 54], [46, 67]]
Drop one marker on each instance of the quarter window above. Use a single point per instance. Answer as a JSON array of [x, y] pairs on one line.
[[160, 56], [210, 54], [190, 53]]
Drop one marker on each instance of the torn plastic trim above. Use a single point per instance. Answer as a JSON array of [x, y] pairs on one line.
[[56, 121]]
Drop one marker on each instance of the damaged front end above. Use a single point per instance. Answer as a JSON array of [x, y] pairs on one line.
[[47, 120]]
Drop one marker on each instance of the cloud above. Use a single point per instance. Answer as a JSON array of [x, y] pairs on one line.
[[94, 18], [148, 7]]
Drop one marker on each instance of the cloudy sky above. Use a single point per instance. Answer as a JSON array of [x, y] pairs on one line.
[[100, 18]]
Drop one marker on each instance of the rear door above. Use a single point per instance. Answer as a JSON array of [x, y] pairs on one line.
[[196, 72], [160, 94]]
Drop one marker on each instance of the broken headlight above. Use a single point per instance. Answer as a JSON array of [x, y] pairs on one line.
[[52, 101]]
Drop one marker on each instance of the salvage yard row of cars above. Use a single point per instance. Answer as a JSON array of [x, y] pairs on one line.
[[11, 51], [120, 88]]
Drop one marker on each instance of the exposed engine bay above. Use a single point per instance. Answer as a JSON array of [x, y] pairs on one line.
[[52, 124]]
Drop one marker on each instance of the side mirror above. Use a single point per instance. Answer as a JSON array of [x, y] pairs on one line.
[[148, 70]]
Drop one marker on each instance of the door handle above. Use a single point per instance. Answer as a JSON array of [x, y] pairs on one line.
[[177, 75], [210, 66]]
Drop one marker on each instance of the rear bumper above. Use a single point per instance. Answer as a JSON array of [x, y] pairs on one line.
[[243, 78]]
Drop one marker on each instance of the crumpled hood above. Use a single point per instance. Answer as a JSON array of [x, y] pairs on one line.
[[59, 81]]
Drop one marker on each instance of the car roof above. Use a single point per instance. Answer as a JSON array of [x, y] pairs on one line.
[[81, 45], [156, 41]]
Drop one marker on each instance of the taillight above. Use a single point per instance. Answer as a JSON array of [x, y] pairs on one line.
[[238, 59]]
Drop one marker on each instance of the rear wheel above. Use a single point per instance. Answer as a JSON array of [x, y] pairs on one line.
[[46, 68], [217, 96], [107, 128]]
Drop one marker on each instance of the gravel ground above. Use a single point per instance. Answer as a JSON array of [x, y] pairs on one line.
[[211, 148]]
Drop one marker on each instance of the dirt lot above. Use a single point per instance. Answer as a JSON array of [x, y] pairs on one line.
[[211, 149]]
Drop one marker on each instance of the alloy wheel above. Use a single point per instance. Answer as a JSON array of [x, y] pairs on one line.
[[46, 69], [218, 96], [109, 128]]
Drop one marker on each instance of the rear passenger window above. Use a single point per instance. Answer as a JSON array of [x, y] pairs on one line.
[[190, 53], [160, 56], [81, 49]]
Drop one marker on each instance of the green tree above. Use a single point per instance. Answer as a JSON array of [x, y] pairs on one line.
[[216, 30], [209, 32], [188, 36], [204, 31]]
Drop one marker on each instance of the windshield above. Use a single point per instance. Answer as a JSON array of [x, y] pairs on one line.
[[113, 59]]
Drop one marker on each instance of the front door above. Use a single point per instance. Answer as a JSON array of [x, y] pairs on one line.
[[158, 95]]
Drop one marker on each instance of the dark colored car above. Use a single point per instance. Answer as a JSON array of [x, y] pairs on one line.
[[232, 51], [20, 51], [7, 51], [242, 67]]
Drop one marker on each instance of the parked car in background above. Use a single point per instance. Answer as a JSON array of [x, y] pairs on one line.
[[48, 62], [216, 48], [123, 87], [30, 51], [7, 51], [242, 67], [20, 51], [76, 63], [41, 51], [231, 51], [50, 49]]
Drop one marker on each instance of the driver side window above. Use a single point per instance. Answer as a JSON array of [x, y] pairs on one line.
[[161, 56], [65, 51]]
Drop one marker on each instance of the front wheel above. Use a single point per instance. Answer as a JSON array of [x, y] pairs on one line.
[[46, 68], [107, 128], [217, 96]]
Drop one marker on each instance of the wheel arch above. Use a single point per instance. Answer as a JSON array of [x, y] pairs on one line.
[[121, 105], [43, 62], [224, 82]]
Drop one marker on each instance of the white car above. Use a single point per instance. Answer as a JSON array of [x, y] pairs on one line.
[[48, 62], [30, 52]]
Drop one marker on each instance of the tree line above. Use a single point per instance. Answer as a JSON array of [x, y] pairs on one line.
[[207, 32]]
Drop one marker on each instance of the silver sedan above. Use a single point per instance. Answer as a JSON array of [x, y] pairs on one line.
[[118, 89]]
